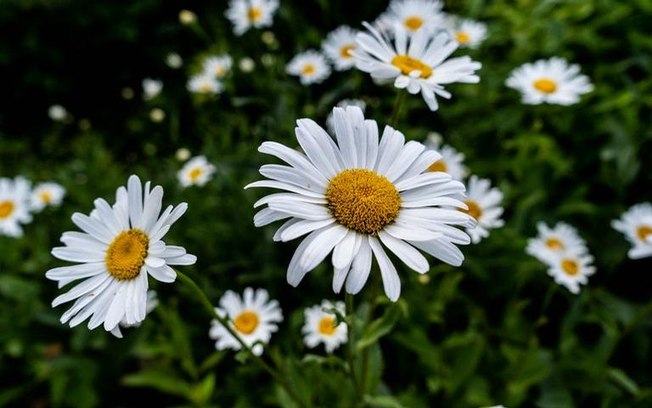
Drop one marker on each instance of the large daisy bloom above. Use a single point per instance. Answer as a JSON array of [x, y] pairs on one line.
[[14, 205], [119, 247], [451, 161], [552, 81], [338, 46], [357, 196], [196, 172], [46, 194], [417, 63], [254, 317], [551, 243], [636, 224], [413, 15], [218, 66], [245, 14], [321, 326], [483, 204], [572, 269], [205, 84], [310, 66], [468, 33]]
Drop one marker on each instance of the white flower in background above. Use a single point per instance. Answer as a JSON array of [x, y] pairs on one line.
[[468, 33], [187, 17], [571, 269], [254, 317], [173, 60], [205, 84], [451, 161], [157, 115], [197, 171], [217, 66], [321, 326], [151, 88], [119, 247], [330, 125], [417, 63], [412, 15], [57, 113], [357, 196], [338, 46], [636, 224], [552, 81], [550, 243], [152, 302], [14, 205], [310, 66], [46, 194], [246, 64], [483, 204], [245, 14]]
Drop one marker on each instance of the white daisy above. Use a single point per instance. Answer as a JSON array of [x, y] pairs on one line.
[[119, 246], [152, 302], [245, 14], [551, 242], [417, 63], [173, 60], [552, 81], [310, 66], [356, 196], [205, 84], [468, 33], [636, 224], [254, 317], [151, 88], [483, 204], [197, 171], [451, 161], [217, 66], [57, 112], [46, 194], [571, 270], [321, 326], [412, 15], [343, 104], [338, 46], [14, 205]]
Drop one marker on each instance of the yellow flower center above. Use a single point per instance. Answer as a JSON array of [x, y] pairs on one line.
[[363, 200], [345, 51], [408, 64], [254, 14], [308, 69], [126, 254], [327, 325], [554, 244], [462, 37], [570, 267], [206, 87], [6, 208], [545, 85], [439, 165], [45, 196], [642, 232], [246, 322], [413, 23], [219, 72], [474, 209], [195, 174]]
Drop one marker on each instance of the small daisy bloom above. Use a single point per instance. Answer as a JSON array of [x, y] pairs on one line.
[[245, 14], [152, 302], [46, 194], [338, 46], [636, 224], [197, 171], [451, 161], [57, 112], [217, 66], [14, 205], [321, 326], [551, 242], [205, 84], [483, 204], [310, 66], [467, 33], [119, 247], [412, 15], [417, 63], [571, 269], [552, 81], [254, 317], [151, 88], [356, 196]]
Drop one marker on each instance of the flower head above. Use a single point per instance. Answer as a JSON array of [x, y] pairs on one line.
[[468, 33], [551, 242], [57, 112], [197, 171], [321, 326], [46, 194], [483, 204], [151, 88], [205, 84], [338, 46], [310, 66], [451, 161], [572, 269], [413, 15], [14, 205], [636, 224], [218, 66], [245, 14]]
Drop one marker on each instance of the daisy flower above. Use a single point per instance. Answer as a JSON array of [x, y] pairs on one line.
[[119, 247], [46, 194], [636, 224], [321, 326], [151, 88], [468, 33], [483, 204], [571, 269], [356, 196], [217, 66], [412, 15], [245, 14], [310, 66], [451, 161], [57, 112], [338, 46], [550, 243], [151, 303], [254, 317], [205, 84], [14, 205], [197, 171], [173, 60], [552, 81], [417, 63]]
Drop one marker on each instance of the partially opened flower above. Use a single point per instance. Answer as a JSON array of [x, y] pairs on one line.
[[310, 66], [14, 205], [45, 195], [197, 171], [417, 63], [468, 33], [218, 66], [321, 326], [254, 317], [451, 161], [338, 46], [550, 243], [552, 81], [119, 247], [636, 224], [413, 15], [571, 269], [358, 196], [245, 14], [204, 84], [483, 204]]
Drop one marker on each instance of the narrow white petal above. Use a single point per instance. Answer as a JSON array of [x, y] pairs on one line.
[[391, 281], [405, 252]]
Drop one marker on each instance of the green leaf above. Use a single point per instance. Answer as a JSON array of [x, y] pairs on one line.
[[622, 379], [161, 380], [382, 401], [381, 326]]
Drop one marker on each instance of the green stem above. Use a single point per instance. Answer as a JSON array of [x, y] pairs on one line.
[[350, 314], [396, 111], [203, 299]]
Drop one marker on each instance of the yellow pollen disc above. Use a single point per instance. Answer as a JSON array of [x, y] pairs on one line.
[[205, 87], [6, 208], [254, 14], [642, 232], [545, 85], [363, 200], [554, 244], [408, 64], [570, 267], [308, 69], [462, 37], [327, 326], [439, 165], [219, 72], [45, 196], [474, 209], [195, 173], [345, 51], [126, 254], [413, 23], [246, 322]]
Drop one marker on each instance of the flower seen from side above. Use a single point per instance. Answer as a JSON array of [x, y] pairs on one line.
[[47, 194], [245, 14], [483, 204], [197, 171], [310, 66], [338, 46], [14, 205], [636, 224], [321, 326]]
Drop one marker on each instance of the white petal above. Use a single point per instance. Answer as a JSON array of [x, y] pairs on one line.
[[405, 252], [360, 268], [321, 246], [391, 281]]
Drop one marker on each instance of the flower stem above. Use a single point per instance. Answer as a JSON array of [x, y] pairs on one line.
[[396, 111], [350, 314]]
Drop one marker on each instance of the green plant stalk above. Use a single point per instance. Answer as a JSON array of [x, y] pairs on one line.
[[396, 111], [350, 314]]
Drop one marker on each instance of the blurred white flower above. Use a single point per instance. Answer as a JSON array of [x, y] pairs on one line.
[[413, 15], [451, 161], [245, 14], [572, 269], [321, 326], [173, 60], [246, 64], [217, 66], [338, 46], [205, 84], [151, 88], [197, 171], [46, 194], [468, 33], [182, 154], [14, 205], [483, 204], [187, 17], [551, 243], [636, 224], [157, 115], [57, 112], [310, 66]]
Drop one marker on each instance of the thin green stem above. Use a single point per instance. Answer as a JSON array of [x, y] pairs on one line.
[[350, 315], [396, 111]]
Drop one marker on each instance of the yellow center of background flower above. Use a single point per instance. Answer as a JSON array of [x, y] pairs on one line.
[[327, 325], [413, 23], [6, 209], [254, 14], [408, 64], [308, 69], [462, 37], [545, 85], [246, 322], [46, 197], [570, 267], [126, 254], [642, 232], [345, 51], [474, 209], [206, 87], [363, 200], [439, 165], [554, 244], [195, 173]]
